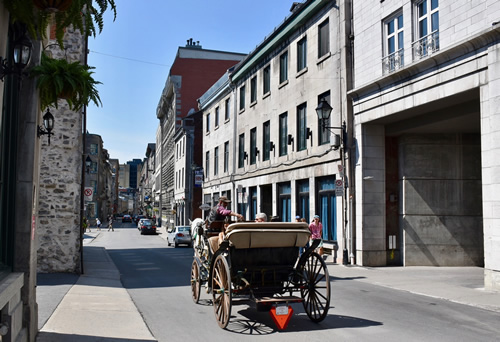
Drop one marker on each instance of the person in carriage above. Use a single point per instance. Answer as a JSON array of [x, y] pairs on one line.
[[220, 213]]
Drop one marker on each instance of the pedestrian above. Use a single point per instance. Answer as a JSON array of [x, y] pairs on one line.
[[297, 218], [316, 229], [98, 223], [110, 224]]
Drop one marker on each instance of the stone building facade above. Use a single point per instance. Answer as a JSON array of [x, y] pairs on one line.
[[426, 116], [59, 230], [264, 146]]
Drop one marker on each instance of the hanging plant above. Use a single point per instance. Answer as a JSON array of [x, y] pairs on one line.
[[53, 5], [81, 14], [58, 78]]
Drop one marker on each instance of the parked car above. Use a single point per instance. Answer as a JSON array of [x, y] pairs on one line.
[[179, 235], [126, 218], [147, 227]]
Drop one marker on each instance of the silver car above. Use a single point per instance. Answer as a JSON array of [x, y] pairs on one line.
[[179, 235]]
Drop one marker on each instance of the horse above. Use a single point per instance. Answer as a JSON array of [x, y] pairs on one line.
[[195, 225]]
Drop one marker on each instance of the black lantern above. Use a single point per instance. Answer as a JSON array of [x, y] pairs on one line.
[[88, 163], [21, 56], [48, 124], [323, 110]]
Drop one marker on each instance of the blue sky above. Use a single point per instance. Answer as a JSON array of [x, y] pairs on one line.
[[133, 56]]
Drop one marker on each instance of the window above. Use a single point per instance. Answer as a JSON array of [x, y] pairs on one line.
[[427, 22], [93, 167], [241, 151], [266, 86], [285, 201], [207, 164], [266, 140], [253, 146], [283, 131], [208, 123], [253, 90], [242, 97], [324, 133], [94, 149], [394, 47], [216, 161], [226, 156], [284, 67], [228, 110], [323, 38], [302, 206], [302, 54], [302, 127], [253, 202], [216, 117]]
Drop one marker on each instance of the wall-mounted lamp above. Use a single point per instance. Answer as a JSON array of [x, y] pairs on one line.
[[271, 146], [324, 110], [21, 56], [48, 124], [309, 134], [88, 163], [257, 152], [289, 139], [245, 156]]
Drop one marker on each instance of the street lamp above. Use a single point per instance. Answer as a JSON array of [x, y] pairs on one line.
[[88, 163], [48, 124], [324, 110]]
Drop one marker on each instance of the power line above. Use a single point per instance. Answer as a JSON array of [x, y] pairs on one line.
[[129, 59]]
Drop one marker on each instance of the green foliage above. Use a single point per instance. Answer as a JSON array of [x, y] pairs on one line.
[[81, 14], [58, 78]]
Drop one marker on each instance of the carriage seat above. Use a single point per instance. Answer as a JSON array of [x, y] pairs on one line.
[[243, 235]]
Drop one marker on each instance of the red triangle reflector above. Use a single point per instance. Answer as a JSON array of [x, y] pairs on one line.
[[281, 320]]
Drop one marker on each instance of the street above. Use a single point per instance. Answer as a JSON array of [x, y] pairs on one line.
[[157, 278]]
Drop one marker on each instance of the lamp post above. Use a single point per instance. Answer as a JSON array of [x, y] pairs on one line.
[[323, 111]]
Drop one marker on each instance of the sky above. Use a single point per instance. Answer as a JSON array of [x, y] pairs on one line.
[[133, 55]]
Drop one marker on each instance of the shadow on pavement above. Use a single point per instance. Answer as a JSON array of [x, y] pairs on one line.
[[44, 336]]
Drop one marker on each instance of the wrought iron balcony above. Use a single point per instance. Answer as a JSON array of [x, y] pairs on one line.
[[393, 62], [426, 46]]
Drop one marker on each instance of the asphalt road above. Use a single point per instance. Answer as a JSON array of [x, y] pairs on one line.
[[157, 278]]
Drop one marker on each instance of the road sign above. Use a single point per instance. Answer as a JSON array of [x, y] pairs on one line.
[[88, 192], [339, 187]]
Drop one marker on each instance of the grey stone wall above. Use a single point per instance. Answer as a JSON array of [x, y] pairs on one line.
[[60, 180], [440, 213]]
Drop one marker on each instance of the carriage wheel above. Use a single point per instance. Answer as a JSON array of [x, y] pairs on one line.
[[195, 281], [316, 287], [221, 290]]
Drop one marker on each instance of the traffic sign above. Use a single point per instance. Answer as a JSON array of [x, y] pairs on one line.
[[88, 192]]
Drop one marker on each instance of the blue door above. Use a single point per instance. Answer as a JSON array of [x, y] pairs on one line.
[[327, 206]]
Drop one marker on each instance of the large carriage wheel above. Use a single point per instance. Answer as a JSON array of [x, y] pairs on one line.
[[316, 287], [221, 290], [195, 281]]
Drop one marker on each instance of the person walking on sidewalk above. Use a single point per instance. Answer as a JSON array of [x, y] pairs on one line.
[[98, 223], [110, 224]]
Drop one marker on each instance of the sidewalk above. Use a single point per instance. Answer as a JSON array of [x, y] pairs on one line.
[[96, 307]]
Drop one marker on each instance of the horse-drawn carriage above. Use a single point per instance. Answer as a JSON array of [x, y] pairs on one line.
[[259, 261]]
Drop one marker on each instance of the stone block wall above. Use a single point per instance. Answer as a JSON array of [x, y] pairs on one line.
[[60, 179]]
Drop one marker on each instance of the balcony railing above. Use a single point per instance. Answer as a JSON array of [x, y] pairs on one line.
[[393, 62], [426, 46]]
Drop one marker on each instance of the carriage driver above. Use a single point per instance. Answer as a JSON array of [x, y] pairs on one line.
[[220, 213]]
